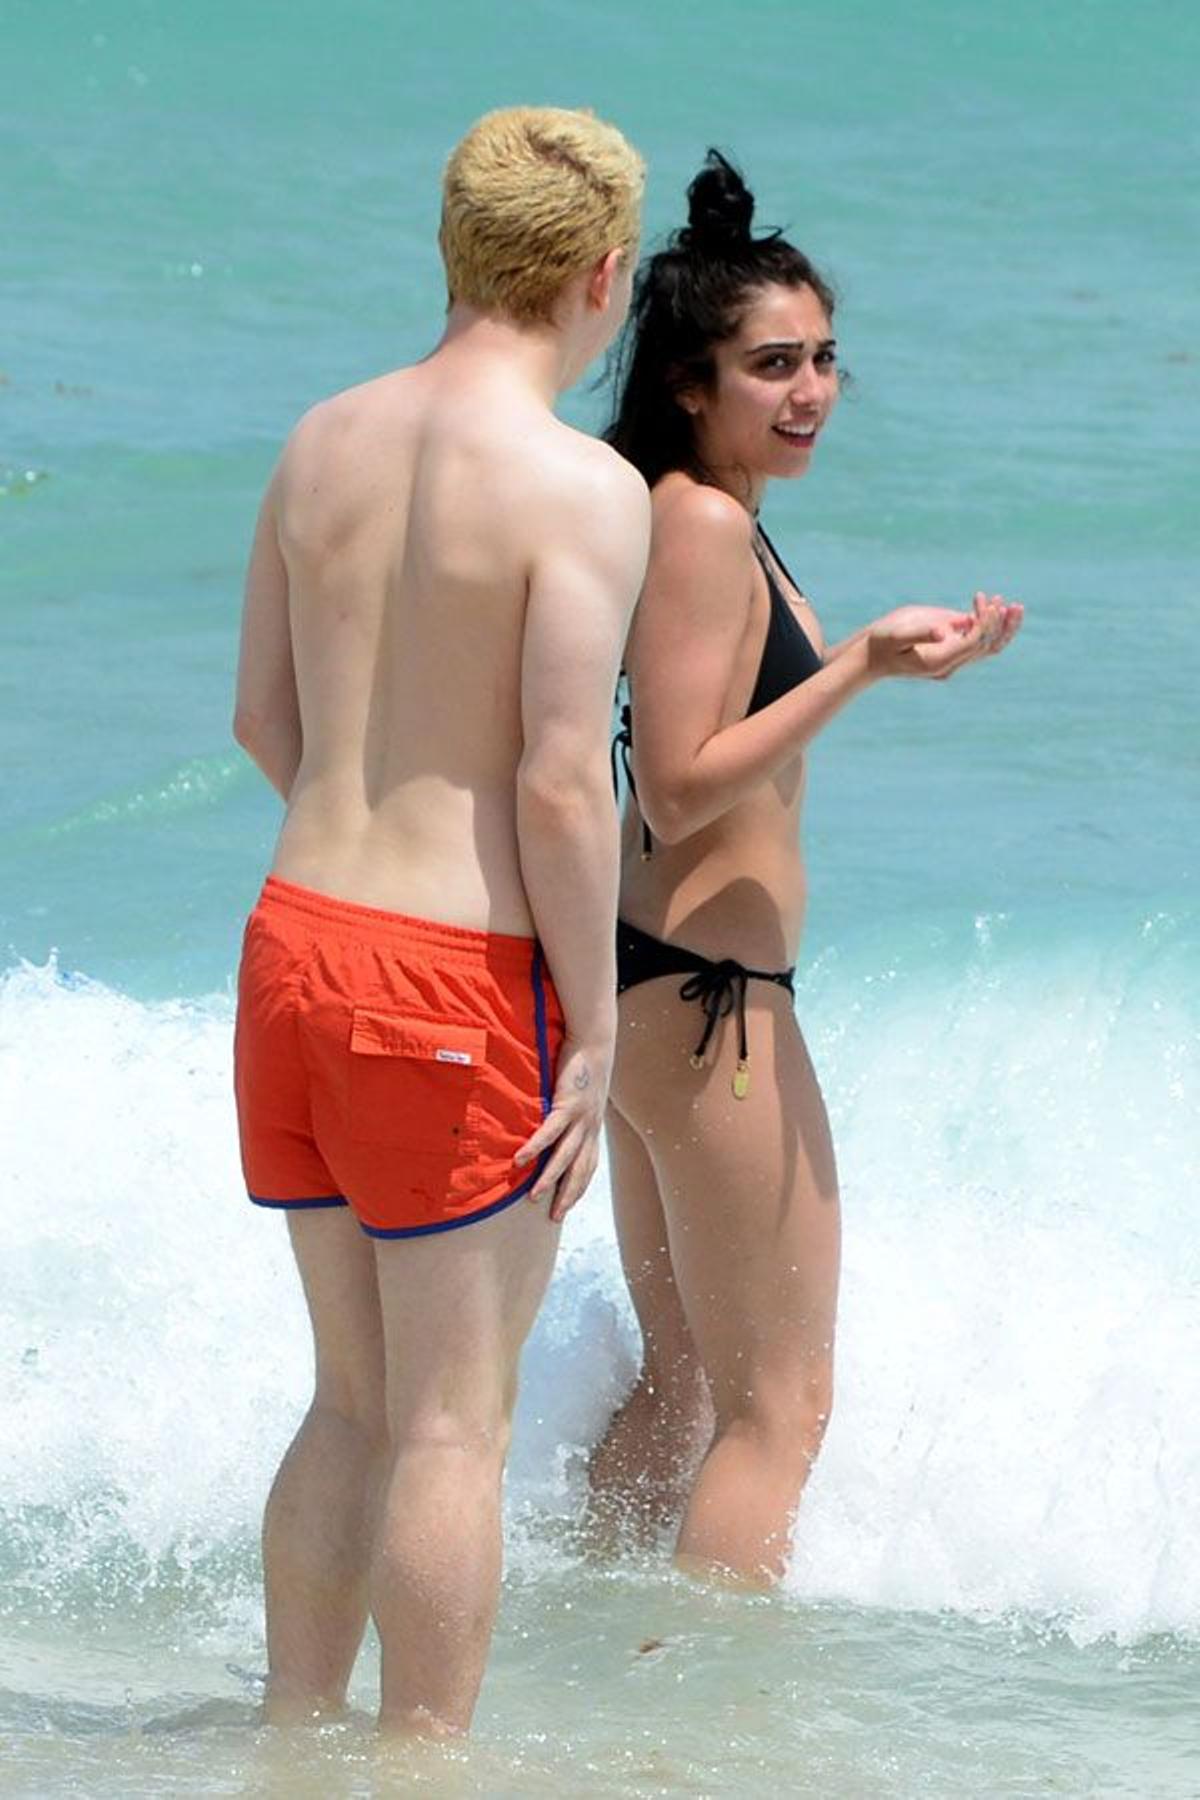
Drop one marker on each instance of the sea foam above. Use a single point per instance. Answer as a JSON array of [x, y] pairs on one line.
[[1019, 1360]]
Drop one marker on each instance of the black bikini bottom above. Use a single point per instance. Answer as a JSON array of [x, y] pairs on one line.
[[719, 987]]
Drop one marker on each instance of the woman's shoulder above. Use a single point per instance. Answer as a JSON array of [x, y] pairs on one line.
[[702, 563], [704, 518]]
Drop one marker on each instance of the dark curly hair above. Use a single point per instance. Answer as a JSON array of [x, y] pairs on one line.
[[687, 298]]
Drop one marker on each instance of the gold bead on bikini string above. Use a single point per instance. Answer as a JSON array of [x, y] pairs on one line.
[[741, 1075]]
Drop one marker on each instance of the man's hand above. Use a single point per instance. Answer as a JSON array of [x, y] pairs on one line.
[[933, 642], [570, 1131]]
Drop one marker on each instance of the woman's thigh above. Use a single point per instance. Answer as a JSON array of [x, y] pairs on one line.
[[643, 1240], [748, 1189]]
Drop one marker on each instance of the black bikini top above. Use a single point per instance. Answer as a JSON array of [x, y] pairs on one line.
[[788, 658]]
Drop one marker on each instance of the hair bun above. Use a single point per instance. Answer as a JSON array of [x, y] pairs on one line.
[[720, 208]]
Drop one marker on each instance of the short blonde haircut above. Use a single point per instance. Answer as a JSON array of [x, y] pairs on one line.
[[532, 196]]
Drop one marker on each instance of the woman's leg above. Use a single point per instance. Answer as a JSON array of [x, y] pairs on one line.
[[640, 1470], [749, 1193]]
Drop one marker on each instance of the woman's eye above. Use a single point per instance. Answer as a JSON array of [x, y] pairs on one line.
[[825, 359]]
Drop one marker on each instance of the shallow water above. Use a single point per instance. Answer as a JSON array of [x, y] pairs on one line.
[[645, 1686]]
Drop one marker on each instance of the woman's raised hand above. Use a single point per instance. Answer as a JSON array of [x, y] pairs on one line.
[[933, 642]]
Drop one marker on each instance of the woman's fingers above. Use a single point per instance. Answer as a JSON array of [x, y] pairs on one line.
[[1000, 620], [996, 623], [990, 625], [1013, 615]]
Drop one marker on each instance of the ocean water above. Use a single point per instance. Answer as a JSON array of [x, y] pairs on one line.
[[213, 216]]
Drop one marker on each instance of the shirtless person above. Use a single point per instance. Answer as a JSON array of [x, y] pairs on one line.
[[438, 595]]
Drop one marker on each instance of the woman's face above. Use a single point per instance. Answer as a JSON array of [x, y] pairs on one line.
[[776, 383]]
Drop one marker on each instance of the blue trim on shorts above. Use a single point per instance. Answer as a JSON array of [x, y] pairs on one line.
[[299, 1205], [543, 1044], [485, 1212], [543, 1041]]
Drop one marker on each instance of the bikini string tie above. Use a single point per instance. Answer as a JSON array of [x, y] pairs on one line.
[[621, 757], [720, 988], [622, 750]]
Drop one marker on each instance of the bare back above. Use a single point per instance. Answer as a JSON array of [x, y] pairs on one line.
[[412, 513]]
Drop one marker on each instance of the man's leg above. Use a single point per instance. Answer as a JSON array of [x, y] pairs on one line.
[[457, 1307], [318, 1527]]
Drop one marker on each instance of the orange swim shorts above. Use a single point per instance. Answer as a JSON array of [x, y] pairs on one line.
[[389, 1064]]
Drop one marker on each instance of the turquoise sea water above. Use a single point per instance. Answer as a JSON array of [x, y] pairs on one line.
[[213, 216]]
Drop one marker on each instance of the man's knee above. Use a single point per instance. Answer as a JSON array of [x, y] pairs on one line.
[[356, 1420], [478, 1434], [349, 1382]]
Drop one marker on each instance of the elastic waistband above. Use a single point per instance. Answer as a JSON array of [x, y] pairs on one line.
[[349, 918]]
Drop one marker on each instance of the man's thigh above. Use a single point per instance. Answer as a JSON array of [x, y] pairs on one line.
[[337, 1267], [457, 1308]]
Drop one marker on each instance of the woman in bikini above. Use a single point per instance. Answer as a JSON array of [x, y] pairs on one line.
[[723, 1177]]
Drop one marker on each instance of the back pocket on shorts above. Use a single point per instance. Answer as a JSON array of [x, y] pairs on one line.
[[413, 1081]]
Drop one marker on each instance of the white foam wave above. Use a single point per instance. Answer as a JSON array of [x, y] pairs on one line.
[[1018, 1421], [1019, 1373]]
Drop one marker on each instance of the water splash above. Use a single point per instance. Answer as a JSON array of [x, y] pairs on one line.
[[1019, 1373]]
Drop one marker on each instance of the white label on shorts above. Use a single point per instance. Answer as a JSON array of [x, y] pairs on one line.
[[458, 1056]]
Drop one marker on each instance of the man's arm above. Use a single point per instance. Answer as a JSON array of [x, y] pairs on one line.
[[582, 593], [266, 720]]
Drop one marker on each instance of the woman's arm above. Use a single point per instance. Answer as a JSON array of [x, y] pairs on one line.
[[689, 767], [833, 651], [266, 720]]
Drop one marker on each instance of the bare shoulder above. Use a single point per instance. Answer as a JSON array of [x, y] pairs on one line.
[[332, 463], [591, 475], [312, 444], [701, 569], [584, 505], [704, 521], [330, 423]]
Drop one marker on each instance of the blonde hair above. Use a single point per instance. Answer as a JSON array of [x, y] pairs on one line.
[[532, 196]]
